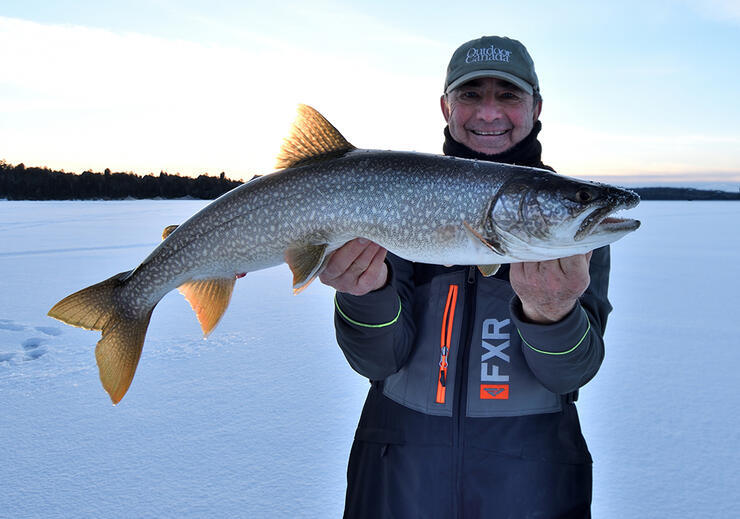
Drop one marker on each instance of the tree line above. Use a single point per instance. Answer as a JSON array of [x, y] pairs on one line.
[[683, 193], [33, 183]]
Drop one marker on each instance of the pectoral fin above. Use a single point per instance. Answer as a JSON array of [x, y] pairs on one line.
[[306, 262], [494, 246], [209, 299], [488, 270]]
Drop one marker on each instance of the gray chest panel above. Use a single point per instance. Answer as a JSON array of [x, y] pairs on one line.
[[498, 380]]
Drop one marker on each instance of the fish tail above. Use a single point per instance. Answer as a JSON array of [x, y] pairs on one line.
[[118, 351]]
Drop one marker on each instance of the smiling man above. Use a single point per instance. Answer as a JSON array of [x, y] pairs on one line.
[[491, 99], [471, 408], [490, 115]]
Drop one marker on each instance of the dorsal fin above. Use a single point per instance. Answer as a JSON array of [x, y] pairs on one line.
[[311, 138]]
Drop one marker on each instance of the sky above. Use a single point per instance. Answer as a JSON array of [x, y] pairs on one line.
[[637, 90]]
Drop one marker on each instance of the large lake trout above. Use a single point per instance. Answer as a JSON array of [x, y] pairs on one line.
[[424, 208]]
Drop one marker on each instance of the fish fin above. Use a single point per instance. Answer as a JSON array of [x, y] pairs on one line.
[[209, 299], [90, 308], [118, 351], [311, 138], [306, 263], [168, 230], [489, 270], [495, 247]]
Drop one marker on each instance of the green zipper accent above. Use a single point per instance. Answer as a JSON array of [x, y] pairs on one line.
[[364, 325], [588, 329]]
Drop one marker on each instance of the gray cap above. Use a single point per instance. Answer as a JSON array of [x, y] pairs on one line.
[[492, 56]]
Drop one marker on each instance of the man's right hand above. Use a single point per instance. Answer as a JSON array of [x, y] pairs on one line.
[[357, 267]]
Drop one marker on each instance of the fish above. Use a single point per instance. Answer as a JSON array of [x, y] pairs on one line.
[[422, 207]]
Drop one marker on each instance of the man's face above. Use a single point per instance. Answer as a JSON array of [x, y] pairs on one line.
[[489, 115]]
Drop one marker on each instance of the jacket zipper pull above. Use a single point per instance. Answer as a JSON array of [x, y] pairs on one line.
[[471, 274]]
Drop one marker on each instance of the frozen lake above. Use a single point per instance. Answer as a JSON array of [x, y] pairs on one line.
[[257, 421]]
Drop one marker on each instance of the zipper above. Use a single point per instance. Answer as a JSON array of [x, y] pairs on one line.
[[448, 319], [461, 389]]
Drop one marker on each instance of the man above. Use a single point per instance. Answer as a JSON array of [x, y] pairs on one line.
[[470, 412]]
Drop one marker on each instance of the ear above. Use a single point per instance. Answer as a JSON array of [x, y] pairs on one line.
[[537, 110], [445, 107]]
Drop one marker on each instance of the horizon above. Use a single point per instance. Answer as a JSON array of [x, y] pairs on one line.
[[707, 182], [191, 88]]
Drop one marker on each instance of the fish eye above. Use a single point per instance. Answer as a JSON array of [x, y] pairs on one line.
[[584, 196]]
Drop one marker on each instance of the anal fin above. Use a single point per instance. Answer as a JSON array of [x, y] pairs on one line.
[[209, 299], [306, 262]]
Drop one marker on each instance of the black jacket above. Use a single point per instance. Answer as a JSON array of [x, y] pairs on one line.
[[470, 412]]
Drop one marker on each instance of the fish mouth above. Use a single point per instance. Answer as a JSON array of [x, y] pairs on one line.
[[599, 222]]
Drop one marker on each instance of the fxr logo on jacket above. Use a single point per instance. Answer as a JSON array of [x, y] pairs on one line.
[[494, 342]]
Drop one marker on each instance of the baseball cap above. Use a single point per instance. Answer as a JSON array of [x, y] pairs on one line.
[[492, 56]]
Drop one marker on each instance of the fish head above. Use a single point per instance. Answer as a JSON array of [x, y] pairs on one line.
[[537, 214]]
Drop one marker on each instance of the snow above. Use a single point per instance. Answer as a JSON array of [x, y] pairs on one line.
[[257, 421]]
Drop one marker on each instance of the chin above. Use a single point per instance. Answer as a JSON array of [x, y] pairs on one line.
[[491, 151]]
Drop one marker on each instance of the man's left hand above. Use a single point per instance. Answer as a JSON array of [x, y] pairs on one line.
[[550, 289]]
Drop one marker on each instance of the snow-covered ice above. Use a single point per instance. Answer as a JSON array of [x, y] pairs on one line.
[[257, 421]]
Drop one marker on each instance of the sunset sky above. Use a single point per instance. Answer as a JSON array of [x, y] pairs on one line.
[[640, 89]]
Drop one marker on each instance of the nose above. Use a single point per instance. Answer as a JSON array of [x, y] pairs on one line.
[[489, 109]]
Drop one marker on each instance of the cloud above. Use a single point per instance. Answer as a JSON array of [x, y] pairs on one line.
[[582, 151], [121, 99], [83, 67], [79, 97], [719, 10]]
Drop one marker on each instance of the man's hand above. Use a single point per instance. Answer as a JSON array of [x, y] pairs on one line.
[[357, 267], [550, 289]]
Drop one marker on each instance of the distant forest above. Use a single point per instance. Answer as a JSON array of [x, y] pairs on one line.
[[33, 183], [683, 193]]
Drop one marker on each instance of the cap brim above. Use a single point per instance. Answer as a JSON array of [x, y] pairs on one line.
[[490, 73]]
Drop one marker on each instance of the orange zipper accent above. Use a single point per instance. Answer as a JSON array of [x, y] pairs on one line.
[[444, 345]]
